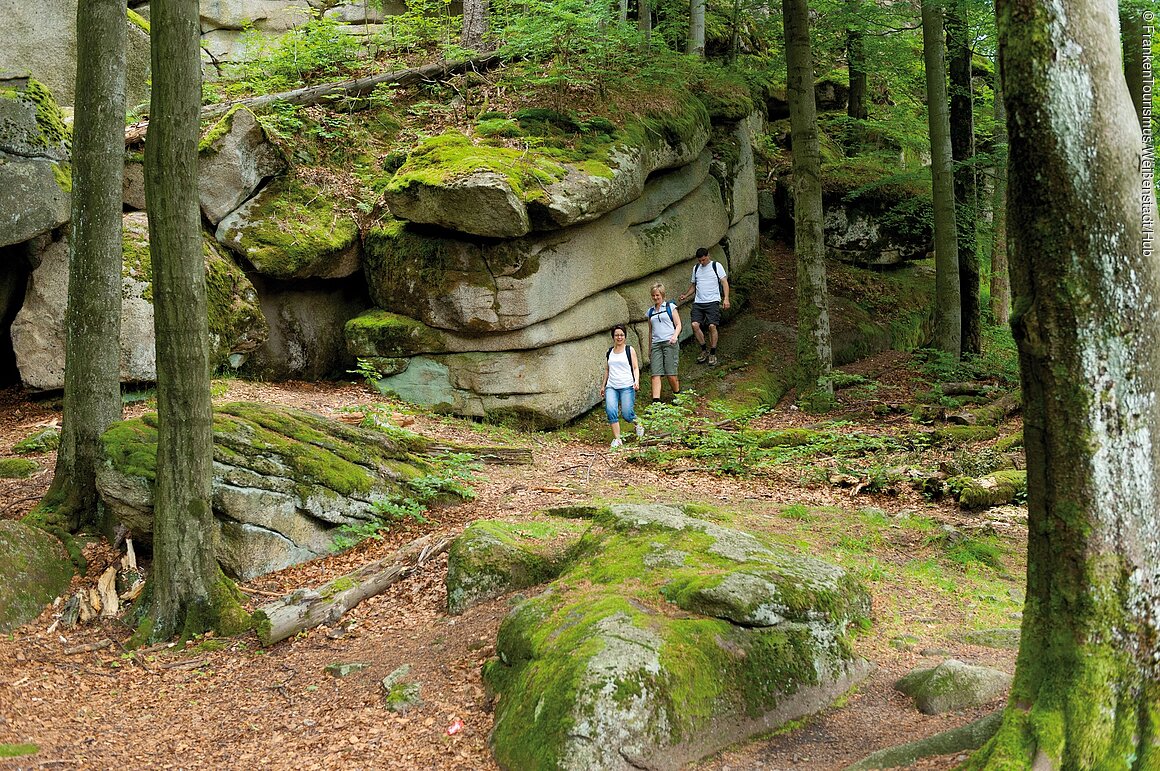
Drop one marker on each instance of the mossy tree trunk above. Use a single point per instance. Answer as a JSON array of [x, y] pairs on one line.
[[962, 125], [1132, 32], [1087, 682], [856, 63], [644, 22], [1000, 282], [188, 593], [814, 353], [697, 28], [948, 315], [92, 388]]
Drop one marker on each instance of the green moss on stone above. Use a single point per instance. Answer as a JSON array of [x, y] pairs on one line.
[[957, 436], [382, 333], [17, 468], [138, 21], [218, 130], [992, 490], [62, 173], [17, 750], [45, 440]]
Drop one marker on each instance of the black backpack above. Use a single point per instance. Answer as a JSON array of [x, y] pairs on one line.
[[627, 347]]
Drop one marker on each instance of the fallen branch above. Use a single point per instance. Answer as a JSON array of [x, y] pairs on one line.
[[990, 414], [493, 456], [96, 646], [330, 91], [307, 608]]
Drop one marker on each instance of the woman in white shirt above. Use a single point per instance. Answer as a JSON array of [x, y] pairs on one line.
[[621, 382]]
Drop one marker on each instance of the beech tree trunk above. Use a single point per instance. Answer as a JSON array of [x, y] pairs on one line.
[[1000, 284], [814, 354], [962, 124], [92, 388], [188, 592], [697, 28], [948, 308], [1086, 284], [856, 64], [475, 29]]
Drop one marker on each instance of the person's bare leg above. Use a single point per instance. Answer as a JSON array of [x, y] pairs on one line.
[[698, 333], [674, 384], [656, 387], [712, 336]]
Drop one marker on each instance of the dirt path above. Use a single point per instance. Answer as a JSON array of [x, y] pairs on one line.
[[230, 704]]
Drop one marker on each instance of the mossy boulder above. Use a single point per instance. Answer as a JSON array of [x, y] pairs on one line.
[[44, 440], [17, 468], [284, 481], [665, 639], [35, 175], [236, 322], [492, 558], [34, 570], [953, 685], [293, 229], [484, 188], [235, 156], [957, 436]]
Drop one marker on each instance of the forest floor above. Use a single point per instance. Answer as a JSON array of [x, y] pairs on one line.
[[87, 702], [239, 705]]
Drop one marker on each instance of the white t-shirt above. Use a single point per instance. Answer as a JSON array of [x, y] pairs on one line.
[[708, 290], [620, 370], [662, 326]]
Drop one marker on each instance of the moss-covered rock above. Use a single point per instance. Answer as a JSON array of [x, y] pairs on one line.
[[17, 468], [34, 570], [953, 685], [44, 440], [35, 147], [633, 655], [957, 436], [492, 558], [385, 334], [294, 229], [284, 481]]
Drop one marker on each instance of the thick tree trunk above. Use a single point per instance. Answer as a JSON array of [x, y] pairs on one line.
[[92, 389], [948, 315], [1086, 284], [189, 594], [814, 353], [475, 27], [697, 28], [962, 123], [644, 22], [1000, 283], [856, 64]]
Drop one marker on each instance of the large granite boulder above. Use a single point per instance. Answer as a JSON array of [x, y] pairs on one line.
[[293, 229], [235, 157], [41, 38], [34, 570], [665, 639], [284, 481], [263, 15], [495, 191], [38, 332], [953, 685], [35, 176], [479, 287]]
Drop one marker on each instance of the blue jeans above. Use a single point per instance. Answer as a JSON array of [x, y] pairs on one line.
[[622, 397]]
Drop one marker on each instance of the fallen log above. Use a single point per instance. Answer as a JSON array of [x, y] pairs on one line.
[[990, 414], [329, 91], [492, 456], [307, 608]]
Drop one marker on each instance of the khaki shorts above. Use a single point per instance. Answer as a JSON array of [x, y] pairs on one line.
[[664, 358]]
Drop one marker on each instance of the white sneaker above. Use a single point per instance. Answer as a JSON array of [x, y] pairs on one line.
[[639, 430], [616, 443]]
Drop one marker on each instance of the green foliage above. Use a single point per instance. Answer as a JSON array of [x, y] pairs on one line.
[[318, 50], [45, 440], [366, 369], [968, 551], [424, 23], [17, 750], [999, 360]]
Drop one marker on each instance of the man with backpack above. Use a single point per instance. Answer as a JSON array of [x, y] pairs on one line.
[[710, 289]]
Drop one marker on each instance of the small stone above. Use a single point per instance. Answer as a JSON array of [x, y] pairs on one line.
[[342, 670]]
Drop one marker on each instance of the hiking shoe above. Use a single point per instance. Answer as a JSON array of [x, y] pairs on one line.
[[712, 360], [615, 443], [639, 430], [704, 357]]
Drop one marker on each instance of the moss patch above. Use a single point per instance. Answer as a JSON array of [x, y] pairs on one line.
[[45, 440], [379, 333], [34, 569], [17, 468]]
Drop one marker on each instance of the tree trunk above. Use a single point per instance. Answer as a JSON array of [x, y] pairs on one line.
[[814, 354], [962, 125], [189, 594], [644, 22], [1086, 284], [948, 315], [1000, 284], [92, 388], [475, 29], [623, 11], [856, 64], [697, 28]]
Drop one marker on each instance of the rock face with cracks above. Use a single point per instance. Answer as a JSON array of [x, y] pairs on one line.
[[666, 638], [34, 569]]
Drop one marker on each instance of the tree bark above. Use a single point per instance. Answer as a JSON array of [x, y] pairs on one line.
[[644, 22], [1086, 285], [948, 315], [1000, 282], [92, 388], [962, 125], [814, 353], [1132, 32], [475, 28], [189, 594], [856, 64], [697, 28]]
